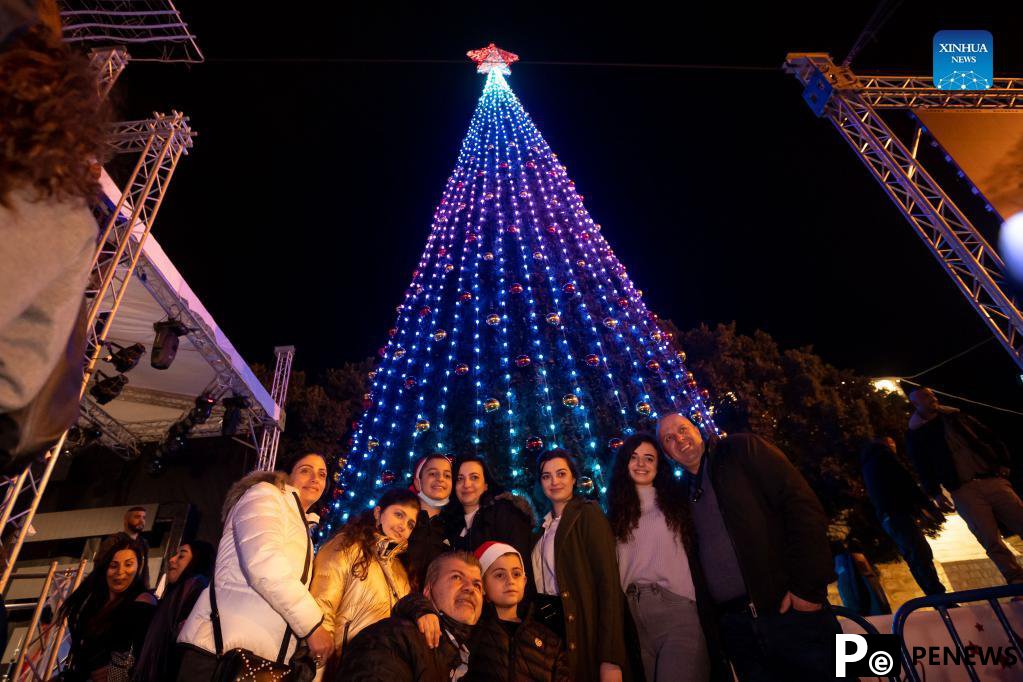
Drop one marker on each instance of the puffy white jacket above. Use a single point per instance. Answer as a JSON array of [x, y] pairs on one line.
[[258, 573]]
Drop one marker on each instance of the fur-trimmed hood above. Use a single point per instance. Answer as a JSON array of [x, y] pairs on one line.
[[520, 503], [278, 478]]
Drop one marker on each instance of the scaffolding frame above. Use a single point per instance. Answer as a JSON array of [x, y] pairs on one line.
[[267, 459], [851, 103]]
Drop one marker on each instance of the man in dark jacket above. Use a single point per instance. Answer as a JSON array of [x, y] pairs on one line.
[[761, 538], [899, 503], [394, 650], [952, 449]]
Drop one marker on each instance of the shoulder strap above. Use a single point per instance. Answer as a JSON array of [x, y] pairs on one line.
[[218, 636], [305, 574]]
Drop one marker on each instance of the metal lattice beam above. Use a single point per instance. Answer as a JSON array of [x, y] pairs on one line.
[[279, 392], [965, 255], [109, 63], [164, 140], [153, 28]]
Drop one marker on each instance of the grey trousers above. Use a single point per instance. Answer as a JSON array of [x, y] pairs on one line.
[[670, 636], [983, 503]]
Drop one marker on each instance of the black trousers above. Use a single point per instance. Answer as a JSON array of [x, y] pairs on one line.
[[794, 645]]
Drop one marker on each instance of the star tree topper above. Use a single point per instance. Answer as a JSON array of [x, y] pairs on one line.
[[492, 58]]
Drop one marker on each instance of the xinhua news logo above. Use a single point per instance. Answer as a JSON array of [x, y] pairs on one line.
[[866, 655], [963, 60]]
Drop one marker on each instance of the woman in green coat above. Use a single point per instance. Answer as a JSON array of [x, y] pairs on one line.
[[576, 572]]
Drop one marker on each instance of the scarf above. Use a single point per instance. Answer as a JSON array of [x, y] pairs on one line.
[[458, 633]]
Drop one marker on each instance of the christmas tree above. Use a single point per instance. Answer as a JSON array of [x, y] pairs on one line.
[[520, 331]]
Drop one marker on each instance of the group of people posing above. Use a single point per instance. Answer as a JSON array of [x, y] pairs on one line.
[[686, 578]]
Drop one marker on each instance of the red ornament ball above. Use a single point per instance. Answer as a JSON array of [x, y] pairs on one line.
[[570, 400], [523, 361], [465, 296], [569, 288], [388, 477], [392, 332], [515, 288], [424, 311], [593, 360], [623, 302], [653, 365], [705, 394], [461, 369], [423, 425], [410, 383], [440, 335], [399, 353], [493, 319], [513, 229], [553, 319], [580, 263], [610, 322], [615, 443], [552, 229], [538, 255], [488, 256], [534, 443], [491, 405], [371, 444], [644, 408]]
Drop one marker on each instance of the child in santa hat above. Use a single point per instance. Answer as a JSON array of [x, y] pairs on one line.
[[508, 643]]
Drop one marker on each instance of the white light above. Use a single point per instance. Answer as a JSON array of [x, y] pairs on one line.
[[1010, 242]]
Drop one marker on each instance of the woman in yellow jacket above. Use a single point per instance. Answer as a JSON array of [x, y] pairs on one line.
[[357, 577]]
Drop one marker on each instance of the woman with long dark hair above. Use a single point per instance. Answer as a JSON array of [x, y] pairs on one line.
[[357, 577], [576, 575], [653, 534], [485, 512], [188, 574], [109, 614]]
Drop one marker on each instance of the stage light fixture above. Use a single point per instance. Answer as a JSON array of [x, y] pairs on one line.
[[107, 388], [125, 359], [234, 407], [202, 410], [165, 345]]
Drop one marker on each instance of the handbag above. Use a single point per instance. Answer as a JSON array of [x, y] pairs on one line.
[[242, 665], [121, 664]]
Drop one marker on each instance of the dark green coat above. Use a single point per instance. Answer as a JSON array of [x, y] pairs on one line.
[[587, 570]]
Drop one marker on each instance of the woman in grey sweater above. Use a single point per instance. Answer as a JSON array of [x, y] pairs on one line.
[[651, 524]]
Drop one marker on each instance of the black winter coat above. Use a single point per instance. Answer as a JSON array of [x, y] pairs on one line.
[[928, 448], [503, 518], [776, 523], [591, 593], [425, 544], [535, 653], [393, 650]]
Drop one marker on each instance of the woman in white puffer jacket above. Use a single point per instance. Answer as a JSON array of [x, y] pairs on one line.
[[262, 556]]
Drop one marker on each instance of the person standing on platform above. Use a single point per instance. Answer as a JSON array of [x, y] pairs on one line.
[[900, 504], [955, 450]]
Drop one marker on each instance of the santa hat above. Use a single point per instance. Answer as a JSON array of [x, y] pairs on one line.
[[489, 552]]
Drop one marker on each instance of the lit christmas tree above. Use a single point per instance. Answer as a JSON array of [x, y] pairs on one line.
[[520, 331]]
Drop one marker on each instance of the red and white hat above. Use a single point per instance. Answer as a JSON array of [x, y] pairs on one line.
[[489, 552]]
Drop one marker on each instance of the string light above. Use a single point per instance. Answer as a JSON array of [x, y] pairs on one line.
[[515, 287]]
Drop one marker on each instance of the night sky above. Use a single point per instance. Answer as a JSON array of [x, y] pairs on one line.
[[326, 136]]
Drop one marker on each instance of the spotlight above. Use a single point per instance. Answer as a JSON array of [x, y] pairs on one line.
[[165, 345], [107, 388], [125, 359], [233, 409], [202, 410]]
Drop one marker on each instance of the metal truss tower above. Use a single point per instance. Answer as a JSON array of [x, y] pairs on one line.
[[279, 392], [852, 103]]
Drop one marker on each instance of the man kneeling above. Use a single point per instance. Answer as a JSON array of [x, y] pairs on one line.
[[393, 650]]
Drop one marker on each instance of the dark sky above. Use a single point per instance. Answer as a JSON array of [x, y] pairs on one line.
[[305, 204]]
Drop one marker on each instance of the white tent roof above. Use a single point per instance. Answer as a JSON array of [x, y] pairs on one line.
[[155, 399]]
